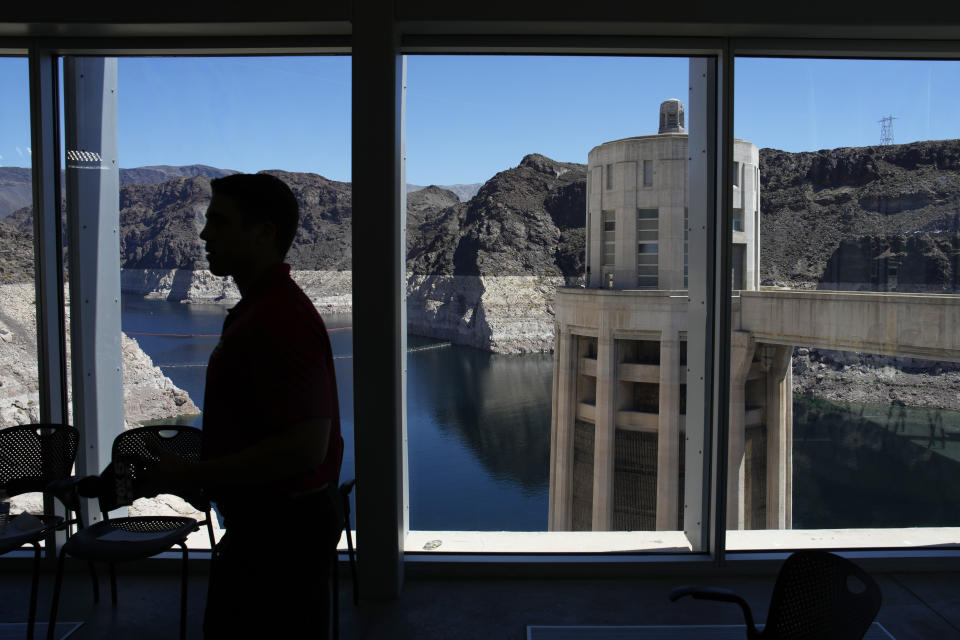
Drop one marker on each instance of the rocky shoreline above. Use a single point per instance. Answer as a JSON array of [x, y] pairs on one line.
[[330, 291], [502, 314], [514, 315], [869, 379], [148, 393]]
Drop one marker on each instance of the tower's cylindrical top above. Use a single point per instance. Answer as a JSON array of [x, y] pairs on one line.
[[671, 116]]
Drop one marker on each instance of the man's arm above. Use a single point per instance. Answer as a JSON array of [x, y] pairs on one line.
[[299, 447]]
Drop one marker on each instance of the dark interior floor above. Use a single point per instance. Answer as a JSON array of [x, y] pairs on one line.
[[915, 605]]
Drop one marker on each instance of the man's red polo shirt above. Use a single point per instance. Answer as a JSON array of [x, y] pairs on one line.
[[272, 367]]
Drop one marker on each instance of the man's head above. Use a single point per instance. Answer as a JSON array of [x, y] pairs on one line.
[[251, 221]]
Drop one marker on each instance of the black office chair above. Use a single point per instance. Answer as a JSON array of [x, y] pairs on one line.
[[32, 456], [817, 595], [134, 538], [344, 491]]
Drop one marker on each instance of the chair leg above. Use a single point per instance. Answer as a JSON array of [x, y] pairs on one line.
[[56, 595], [32, 615], [353, 566], [183, 594], [113, 584], [335, 600], [213, 541]]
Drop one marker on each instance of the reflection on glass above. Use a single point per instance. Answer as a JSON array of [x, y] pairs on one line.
[[858, 257]]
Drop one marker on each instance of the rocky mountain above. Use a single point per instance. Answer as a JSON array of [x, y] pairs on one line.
[[160, 223], [464, 192], [874, 218], [16, 255], [523, 222], [323, 240], [16, 191], [878, 218], [423, 208], [162, 172], [483, 272]]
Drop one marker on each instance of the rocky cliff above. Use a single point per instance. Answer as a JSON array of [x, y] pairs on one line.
[[876, 218], [16, 191], [520, 223], [160, 223], [484, 272], [16, 255], [481, 273], [843, 376], [464, 192], [330, 291], [148, 394]]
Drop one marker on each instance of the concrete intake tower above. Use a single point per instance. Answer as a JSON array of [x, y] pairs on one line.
[[617, 443], [618, 428]]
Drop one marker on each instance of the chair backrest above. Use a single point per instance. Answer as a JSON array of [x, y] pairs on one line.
[[821, 595], [128, 475], [34, 455]]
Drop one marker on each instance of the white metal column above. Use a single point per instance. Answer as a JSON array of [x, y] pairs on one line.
[[93, 216]]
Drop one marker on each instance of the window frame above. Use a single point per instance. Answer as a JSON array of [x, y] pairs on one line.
[[378, 39]]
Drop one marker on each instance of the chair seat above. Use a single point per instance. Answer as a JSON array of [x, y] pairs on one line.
[[123, 539], [14, 537]]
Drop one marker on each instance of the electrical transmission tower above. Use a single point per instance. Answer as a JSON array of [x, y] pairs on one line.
[[886, 130]]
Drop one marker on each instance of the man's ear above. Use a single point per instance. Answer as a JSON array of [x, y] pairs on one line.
[[267, 233]]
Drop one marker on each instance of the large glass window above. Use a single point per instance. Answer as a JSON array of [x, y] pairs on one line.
[[609, 238], [503, 434], [244, 115], [844, 413], [647, 254]]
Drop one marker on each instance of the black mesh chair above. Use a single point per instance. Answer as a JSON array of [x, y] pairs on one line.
[[33, 456], [124, 480], [344, 494], [817, 595]]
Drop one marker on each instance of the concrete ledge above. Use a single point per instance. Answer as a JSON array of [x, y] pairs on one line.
[[546, 541], [586, 411], [904, 538], [638, 421], [894, 324], [633, 372], [910, 538]]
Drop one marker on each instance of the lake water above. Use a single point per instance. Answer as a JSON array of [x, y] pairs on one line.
[[478, 428], [478, 424]]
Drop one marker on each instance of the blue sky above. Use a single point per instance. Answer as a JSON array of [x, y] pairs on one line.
[[471, 116]]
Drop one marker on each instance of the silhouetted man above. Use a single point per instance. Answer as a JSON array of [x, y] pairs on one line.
[[271, 427]]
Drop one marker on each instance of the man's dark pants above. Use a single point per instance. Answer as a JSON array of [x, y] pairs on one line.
[[271, 573]]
